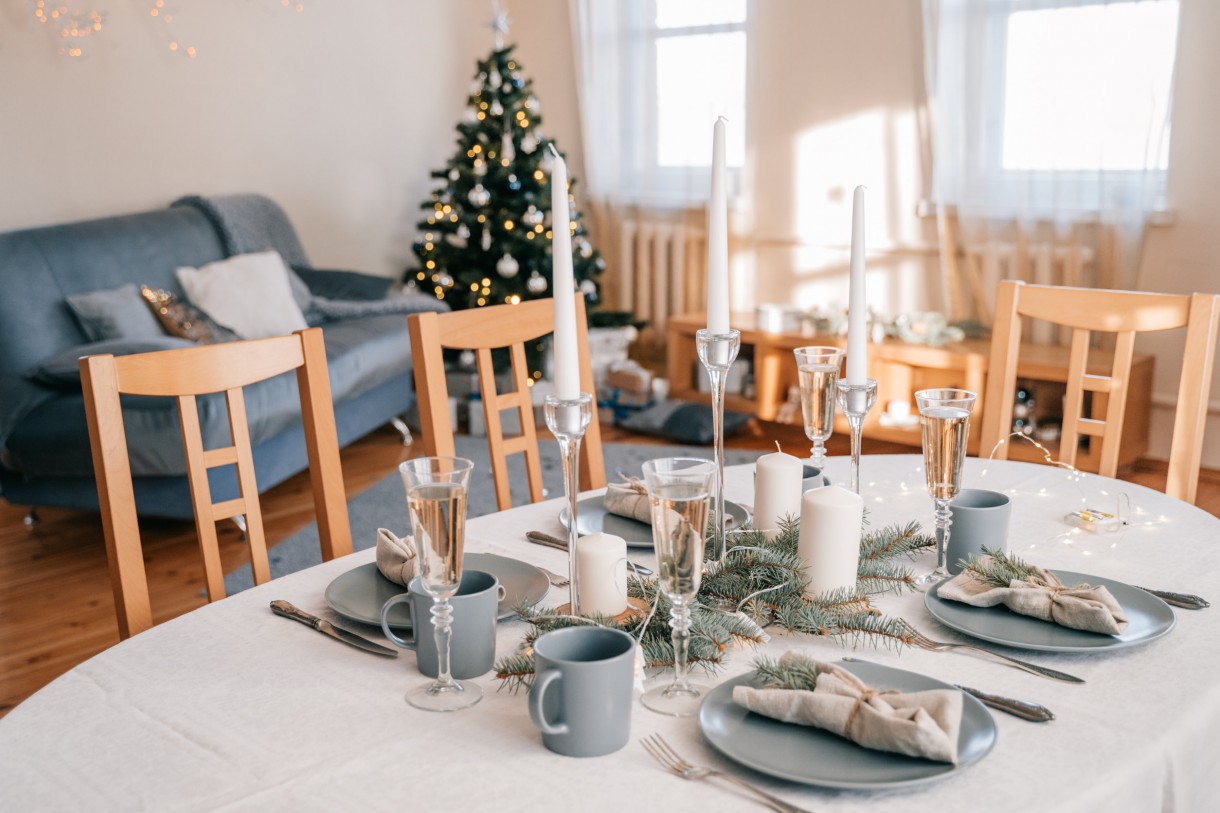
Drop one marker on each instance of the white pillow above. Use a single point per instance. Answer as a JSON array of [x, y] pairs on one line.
[[249, 294]]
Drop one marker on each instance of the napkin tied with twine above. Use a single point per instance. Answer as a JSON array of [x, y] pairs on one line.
[[629, 499], [919, 724], [1080, 606], [396, 557]]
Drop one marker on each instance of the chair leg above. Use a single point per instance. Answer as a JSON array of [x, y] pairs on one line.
[[31, 518], [403, 429]]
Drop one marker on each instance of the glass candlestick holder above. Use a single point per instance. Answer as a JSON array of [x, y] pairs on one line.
[[568, 418], [717, 352], [856, 400]]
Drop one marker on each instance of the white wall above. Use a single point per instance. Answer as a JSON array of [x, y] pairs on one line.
[[338, 112]]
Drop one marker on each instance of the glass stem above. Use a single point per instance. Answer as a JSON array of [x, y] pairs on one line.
[[442, 617], [717, 381], [943, 520], [818, 453], [569, 447], [856, 425], [679, 620]]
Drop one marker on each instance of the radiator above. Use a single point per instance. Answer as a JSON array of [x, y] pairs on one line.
[[662, 261]]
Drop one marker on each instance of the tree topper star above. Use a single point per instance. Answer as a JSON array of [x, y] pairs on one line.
[[499, 23]]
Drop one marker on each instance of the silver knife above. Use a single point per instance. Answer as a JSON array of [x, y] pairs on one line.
[[539, 538], [1033, 712], [1186, 601], [281, 607]]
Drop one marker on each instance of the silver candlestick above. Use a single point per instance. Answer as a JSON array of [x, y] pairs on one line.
[[568, 418], [856, 400], [718, 351]]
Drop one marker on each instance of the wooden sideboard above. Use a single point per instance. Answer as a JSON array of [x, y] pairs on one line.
[[900, 370]]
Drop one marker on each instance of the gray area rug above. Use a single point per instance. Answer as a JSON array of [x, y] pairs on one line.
[[385, 505]]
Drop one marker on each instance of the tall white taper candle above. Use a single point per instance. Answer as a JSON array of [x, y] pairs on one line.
[[857, 304], [563, 286], [718, 239]]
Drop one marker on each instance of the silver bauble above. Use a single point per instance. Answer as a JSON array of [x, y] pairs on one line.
[[536, 284], [455, 240], [588, 287], [463, 231], [507, 151], [444, 279], [486, 239], [466, 358], [496, 109], [494, 80], [532, 217], [586, 250], [454, 174], [479, 196], [507, 266], [529, 143]]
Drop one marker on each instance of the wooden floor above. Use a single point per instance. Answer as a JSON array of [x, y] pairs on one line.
[[56, 608]]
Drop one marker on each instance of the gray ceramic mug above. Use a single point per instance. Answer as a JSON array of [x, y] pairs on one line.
[[812, 477], [980, 517], [472, 645], [583, 688]]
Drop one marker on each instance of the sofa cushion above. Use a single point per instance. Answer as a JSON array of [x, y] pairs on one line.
[[183, 319], [348, 285], [114, 313], [53, 441], [63, 370], [250, 294]]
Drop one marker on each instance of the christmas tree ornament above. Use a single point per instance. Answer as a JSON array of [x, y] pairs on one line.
[[494, 80], [536, 284], [479, 196], [513, 183], [455, 240], [518, 82], [463, 231], [585, 248], [486, 239], [507, 152], [507, 266], [466, 358], [531, 102], [480, 167], [454, 174], [529, 143], [471, 116], [496, 108], [443, 278], [588, 287], [532, 216]]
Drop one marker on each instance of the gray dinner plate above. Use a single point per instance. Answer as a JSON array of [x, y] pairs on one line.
[[359, 593], [592, 517], [814, 757], [1148, 618]]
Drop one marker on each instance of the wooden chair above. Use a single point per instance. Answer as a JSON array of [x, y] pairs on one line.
[[184, 374], [1123, 313], [482, 330]]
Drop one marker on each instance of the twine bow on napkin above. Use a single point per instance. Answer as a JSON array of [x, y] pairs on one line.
[[629, 499], [396, 557], [919, 724], [1042, 595]]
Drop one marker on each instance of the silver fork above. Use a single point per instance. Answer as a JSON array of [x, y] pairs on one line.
[[924, 642], [660, 750], [554, 578]]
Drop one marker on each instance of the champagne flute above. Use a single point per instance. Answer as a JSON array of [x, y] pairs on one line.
[[944, 417], [679, 489], [436, 501], [818, 368]]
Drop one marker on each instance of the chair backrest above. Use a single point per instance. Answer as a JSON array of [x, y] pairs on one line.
[[1124, 314], [183, 375], [483, 330]]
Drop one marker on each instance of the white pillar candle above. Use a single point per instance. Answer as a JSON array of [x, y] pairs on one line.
[[718, 239], [777, 491], [601, 572], [857, 304], [829, 541], [563, 286]]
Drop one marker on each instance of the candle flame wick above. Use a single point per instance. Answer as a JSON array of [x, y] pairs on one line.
[[777, 447], [722, 118]]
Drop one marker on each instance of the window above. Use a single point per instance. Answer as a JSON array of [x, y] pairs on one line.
[[1082, 83], [699, 53]]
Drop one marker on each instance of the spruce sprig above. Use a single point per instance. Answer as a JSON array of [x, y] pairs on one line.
[[997, 568], [792, 671]]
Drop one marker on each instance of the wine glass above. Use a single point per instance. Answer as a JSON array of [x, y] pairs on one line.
[[944, 417], [679, 489], [818, 368], [436, 501]]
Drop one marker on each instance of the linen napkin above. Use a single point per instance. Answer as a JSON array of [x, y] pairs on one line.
[[1081, 606], [396, 557], [918, 724], [629, 499]]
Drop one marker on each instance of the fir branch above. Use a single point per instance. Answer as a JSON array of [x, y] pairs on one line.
[[997, 568], [792, 671]]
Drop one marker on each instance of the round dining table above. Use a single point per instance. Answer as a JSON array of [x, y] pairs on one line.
[[230, 707]]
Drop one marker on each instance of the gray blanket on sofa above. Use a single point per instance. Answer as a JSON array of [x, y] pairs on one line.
[[249, 223]]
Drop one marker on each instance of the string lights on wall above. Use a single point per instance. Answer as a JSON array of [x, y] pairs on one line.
[[74, 24]]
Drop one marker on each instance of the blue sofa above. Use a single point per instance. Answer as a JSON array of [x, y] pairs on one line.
[[44, 444]]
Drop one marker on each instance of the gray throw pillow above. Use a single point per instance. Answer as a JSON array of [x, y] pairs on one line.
[[115, 313], [683, 422], [62, 370]]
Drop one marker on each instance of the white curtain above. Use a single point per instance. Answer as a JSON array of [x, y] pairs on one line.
[[1050, 122]]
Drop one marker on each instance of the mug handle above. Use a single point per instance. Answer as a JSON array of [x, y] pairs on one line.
[[541, 683], [385, 624]]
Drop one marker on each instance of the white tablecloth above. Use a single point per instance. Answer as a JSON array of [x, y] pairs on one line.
[[231, 707]]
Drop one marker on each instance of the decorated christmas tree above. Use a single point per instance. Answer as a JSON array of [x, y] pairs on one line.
[[487, 237]]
